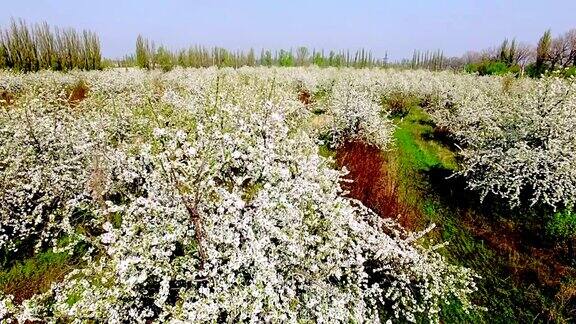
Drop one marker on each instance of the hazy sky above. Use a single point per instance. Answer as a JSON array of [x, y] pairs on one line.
[[398, 27]]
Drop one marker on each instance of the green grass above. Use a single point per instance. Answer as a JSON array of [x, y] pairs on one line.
[[415, 152], [35, 274], [325, 151], [34, 266]]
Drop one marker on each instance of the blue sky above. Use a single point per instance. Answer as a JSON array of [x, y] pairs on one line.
[[398, 27]]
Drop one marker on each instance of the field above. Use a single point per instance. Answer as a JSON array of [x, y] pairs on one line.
[[270, 194]]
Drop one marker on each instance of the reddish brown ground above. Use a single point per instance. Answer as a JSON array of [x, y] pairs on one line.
[[374, 184], [6, 98], [530, 263], [24, 288], [77, 94], [305, 97], [528, 259]]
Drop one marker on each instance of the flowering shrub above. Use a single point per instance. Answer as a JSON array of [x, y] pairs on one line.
[[44, 155], [201, 197], [518, 141]]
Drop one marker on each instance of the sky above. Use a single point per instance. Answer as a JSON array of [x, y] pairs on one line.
[[395, 27]]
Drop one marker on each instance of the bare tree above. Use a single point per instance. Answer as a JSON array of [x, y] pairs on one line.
[[472, 57], [571, 40], [525, 54], [559, 52]]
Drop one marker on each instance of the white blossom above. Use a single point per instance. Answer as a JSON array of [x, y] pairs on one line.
[[202, 197]]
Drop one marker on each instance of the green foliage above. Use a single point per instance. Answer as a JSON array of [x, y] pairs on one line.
[[35, 266], [552, 55], [4, 58], [472, 67], [318, 59], [411, 157], [143, 52], [534, 70], [421, 159], [514, 69], [511, 51], [327, 152], [197, 56], [31, 48], [494, 68], [266, 58], [416, 153], [491, 67], [37, 273], [428, 60], [543, 51], [286, 58], [73, 298], [302, 54], [107, 63], [570, 72], [562, 224], [164, 59], [147, 57]]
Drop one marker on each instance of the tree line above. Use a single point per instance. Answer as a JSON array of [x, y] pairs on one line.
[[149, 56], [36, 47], [25, 47], [430, 60], [550, 55]]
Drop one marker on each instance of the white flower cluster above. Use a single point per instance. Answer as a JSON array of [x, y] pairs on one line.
[[356, 113], [44, 154], [202, 198], [517, 137]]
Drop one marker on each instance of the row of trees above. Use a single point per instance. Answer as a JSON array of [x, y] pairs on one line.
[[149, 56], [28, 48], [509, 57], [550, 54], [556, 53], [431, 60]]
